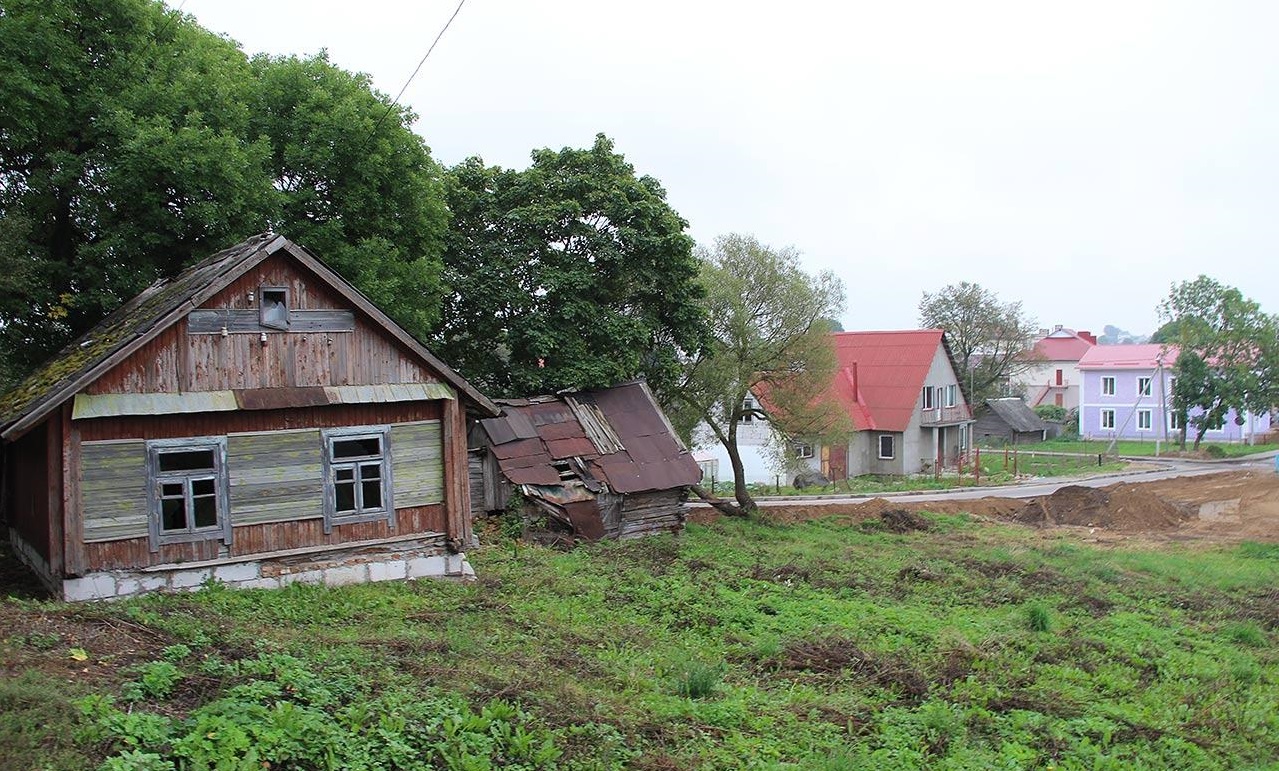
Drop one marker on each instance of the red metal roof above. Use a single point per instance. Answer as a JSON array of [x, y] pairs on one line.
[[881, 375], [1146, 356], [1063, 345]]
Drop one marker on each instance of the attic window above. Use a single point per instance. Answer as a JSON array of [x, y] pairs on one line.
[[273, 307]]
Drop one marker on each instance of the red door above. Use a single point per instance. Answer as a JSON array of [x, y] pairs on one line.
[[1058, 377], [837, 463]]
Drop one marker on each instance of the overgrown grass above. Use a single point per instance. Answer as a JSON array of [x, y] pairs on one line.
[[818, 645], [1133, 447]]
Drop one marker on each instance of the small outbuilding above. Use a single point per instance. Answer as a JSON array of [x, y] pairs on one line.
[[596, 464], [1009, 421], [254, 421]]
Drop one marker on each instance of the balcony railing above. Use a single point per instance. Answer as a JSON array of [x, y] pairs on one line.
[[937, 416]]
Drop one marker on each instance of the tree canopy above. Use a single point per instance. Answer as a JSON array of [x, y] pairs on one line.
[[133, 142], [573, 273], [770, 333], [990, 339], [1228, 353]]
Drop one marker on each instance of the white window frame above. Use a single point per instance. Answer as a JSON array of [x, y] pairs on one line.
[[221, 529], [748, 406], [952, 393], [1107, 413], [1144, 416], [1108, 385], [803, 450], [332, 465], [927, 397], [1144, 386], [1174, 423], [892, 446]]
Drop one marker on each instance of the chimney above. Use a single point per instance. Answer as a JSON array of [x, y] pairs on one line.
[[1057, 328], [1086, 335]]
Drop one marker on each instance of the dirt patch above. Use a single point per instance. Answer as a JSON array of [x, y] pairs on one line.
[[837, 656], [903, 521], [1230, 506], [1122, 507]]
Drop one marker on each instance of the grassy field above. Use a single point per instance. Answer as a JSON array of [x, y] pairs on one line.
[[820, 645], [997, 469], [1144, 448]]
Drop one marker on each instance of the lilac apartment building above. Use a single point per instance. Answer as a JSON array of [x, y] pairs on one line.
[[1127, 394]]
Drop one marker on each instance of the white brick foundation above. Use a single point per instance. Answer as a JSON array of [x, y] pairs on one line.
[[388, 562]]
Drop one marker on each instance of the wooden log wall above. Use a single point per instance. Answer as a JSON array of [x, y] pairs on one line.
[[644, 513], [258, 539]]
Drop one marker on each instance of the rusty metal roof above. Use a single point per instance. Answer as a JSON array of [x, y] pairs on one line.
[[619, 434]]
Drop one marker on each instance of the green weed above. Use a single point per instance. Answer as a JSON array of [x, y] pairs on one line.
[[1038, 618]]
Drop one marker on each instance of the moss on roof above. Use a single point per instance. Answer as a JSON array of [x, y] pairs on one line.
[[137, 317]]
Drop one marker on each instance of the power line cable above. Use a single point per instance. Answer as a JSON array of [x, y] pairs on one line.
[[396, 100]]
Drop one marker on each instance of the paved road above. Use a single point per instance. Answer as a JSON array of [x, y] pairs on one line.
[[1166, 470]]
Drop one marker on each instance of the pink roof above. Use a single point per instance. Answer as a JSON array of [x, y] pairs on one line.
[[1145, 357], [1063, 345], [881, 374]]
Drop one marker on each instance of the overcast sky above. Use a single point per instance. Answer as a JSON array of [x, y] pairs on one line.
[[1078, 157]]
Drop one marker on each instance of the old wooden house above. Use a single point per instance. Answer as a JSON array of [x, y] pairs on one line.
[[596, 464], [255, 421], [1009, 421]]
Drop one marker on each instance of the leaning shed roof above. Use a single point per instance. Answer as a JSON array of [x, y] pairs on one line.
[[618, 435], [165, 302], [1016, 414]]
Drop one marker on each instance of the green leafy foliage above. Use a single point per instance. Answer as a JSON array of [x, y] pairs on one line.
[[1228, 354], [135, 141], [573, 273], [989, 338], [769, 338]]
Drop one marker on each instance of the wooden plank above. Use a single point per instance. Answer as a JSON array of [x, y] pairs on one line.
[[457, 498], [72, 502], [113, 485], [54, 537], [275, 476], [417, 463]]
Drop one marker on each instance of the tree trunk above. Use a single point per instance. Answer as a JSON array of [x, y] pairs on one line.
[[717, 503], [1200, 431], [743, 495]]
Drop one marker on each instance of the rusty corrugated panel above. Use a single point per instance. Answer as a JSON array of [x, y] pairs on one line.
[[281, 398], [540, 474], [586, 520], [519, 448], [549, 412], [568, 448], [388, 392], [499, 430], [570, 430]]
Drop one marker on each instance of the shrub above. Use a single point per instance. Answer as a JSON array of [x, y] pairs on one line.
[[1215, 451], [1038, 619], [698, 680]]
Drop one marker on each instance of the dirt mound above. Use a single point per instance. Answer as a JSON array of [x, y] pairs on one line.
[[1122, 507], [903, 521]]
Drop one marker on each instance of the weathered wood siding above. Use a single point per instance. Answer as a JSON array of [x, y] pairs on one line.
[[180, 361], [417, 463], [113, 486], [655, 512], [260, 539], [276, 476], [26, 495]]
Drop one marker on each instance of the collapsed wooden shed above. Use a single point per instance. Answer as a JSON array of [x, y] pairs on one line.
[[598, 464], [255, 421]]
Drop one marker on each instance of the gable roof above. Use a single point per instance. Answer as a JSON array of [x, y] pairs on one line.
[[162, 304], [1146, 356], [1016, 415], [881, 375], [1063, 345], [615, 435]]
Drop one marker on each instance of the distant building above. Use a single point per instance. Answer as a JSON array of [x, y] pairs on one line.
[[1008, 421], [1053, 377]]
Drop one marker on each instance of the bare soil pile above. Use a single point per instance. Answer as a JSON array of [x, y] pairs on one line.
[[1121, 507]]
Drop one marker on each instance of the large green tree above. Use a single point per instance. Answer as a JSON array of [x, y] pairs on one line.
[[989, 338], [1228, 353], [133, 141], [770, 336], [572, 273]]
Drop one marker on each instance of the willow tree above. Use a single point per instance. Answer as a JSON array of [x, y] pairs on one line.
[[770, 337]]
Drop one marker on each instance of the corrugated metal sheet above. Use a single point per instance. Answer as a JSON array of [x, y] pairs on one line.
[[111, 405], [388, 392]]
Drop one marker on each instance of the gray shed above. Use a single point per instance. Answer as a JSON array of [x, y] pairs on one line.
[[1009, 421]]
